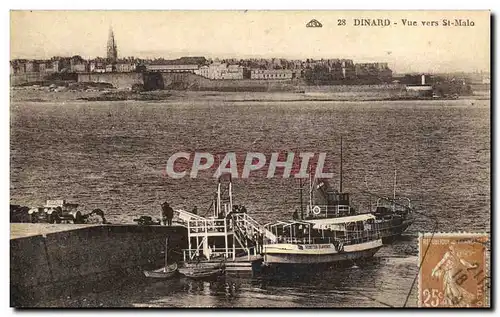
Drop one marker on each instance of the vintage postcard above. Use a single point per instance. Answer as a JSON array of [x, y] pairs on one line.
[[250, 159], [453, 270]]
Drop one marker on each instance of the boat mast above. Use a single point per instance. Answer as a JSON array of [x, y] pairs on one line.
[[310, 190], [166, 253], [218, 199], [394, 192], [230, 193], [301, 200], [369, 194], [340, 164]]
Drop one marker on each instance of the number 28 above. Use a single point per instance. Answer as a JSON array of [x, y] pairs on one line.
[[341, 22]]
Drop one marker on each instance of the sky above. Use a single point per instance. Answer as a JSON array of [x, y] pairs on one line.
[[245, 34]]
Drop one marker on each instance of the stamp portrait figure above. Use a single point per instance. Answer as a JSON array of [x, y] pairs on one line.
[[449, 267]]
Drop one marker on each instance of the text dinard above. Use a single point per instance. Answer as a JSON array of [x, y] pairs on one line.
[[411, 23]]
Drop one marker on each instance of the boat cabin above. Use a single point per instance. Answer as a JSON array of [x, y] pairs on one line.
[[396, 207], [291, 231], [347, 230], [328, 203]]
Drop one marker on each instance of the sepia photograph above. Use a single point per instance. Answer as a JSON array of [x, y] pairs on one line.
[[250, 159]]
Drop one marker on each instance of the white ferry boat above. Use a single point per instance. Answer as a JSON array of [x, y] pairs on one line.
[[319, 241]]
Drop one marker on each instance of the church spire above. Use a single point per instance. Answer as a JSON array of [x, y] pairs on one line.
[[112, 53]]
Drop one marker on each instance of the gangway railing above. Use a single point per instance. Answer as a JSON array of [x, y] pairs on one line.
[[247, 233], [183, 217], [207, 226], [246, 223]]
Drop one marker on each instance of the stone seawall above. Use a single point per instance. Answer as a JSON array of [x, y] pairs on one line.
[[60, 263], [188, 81], [185, 81], [193, 82], [118, 80], [19, 79]]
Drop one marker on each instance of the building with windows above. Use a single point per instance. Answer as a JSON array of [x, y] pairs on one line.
[[42, 66], [78, 64], [110, 68], [272, 74], [373, 70], [126, 67], [18, 66], [234, 72], [168, 68], [221, 71], [30, 67]]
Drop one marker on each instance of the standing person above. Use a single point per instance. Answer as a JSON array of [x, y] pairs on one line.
[[167, 214], [170, 215], [164, 213], [243, 209], [195, 210], [295, 215]]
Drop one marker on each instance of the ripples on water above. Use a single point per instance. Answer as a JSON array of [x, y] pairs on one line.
[[112, 155], [383, 282]]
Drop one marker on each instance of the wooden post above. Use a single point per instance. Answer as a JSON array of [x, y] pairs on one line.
[[166, 254], [341, 164], [301, 201], [225, 238], [189, 240], [234, 246], [230, 195], [394, 192], [218, 200]]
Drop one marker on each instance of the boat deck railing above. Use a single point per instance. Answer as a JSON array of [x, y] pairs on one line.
[[398, 202], [328, 211], [305, 240], [348, 238]]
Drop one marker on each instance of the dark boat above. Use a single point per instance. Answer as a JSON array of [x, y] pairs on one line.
[[164, 272], [167, 271], [202, 270], [393, 216]]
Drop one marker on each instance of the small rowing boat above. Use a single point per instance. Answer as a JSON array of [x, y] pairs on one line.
[[201, 270], [164, 272], [167, 271]]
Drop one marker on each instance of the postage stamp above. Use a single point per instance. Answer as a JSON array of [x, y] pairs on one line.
[[453, 270]]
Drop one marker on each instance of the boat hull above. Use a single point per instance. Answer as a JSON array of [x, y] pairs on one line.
[[287, 254], [159, 274], [202, 275], [391, 234], [164, 273], [202, 270]]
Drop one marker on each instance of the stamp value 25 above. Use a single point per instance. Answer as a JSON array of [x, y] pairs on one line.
[[453, 270]]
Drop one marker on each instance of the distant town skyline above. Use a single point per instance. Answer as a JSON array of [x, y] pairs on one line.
[[256, 34]]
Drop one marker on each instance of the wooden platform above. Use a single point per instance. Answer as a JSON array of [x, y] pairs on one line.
[[242, 263]]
